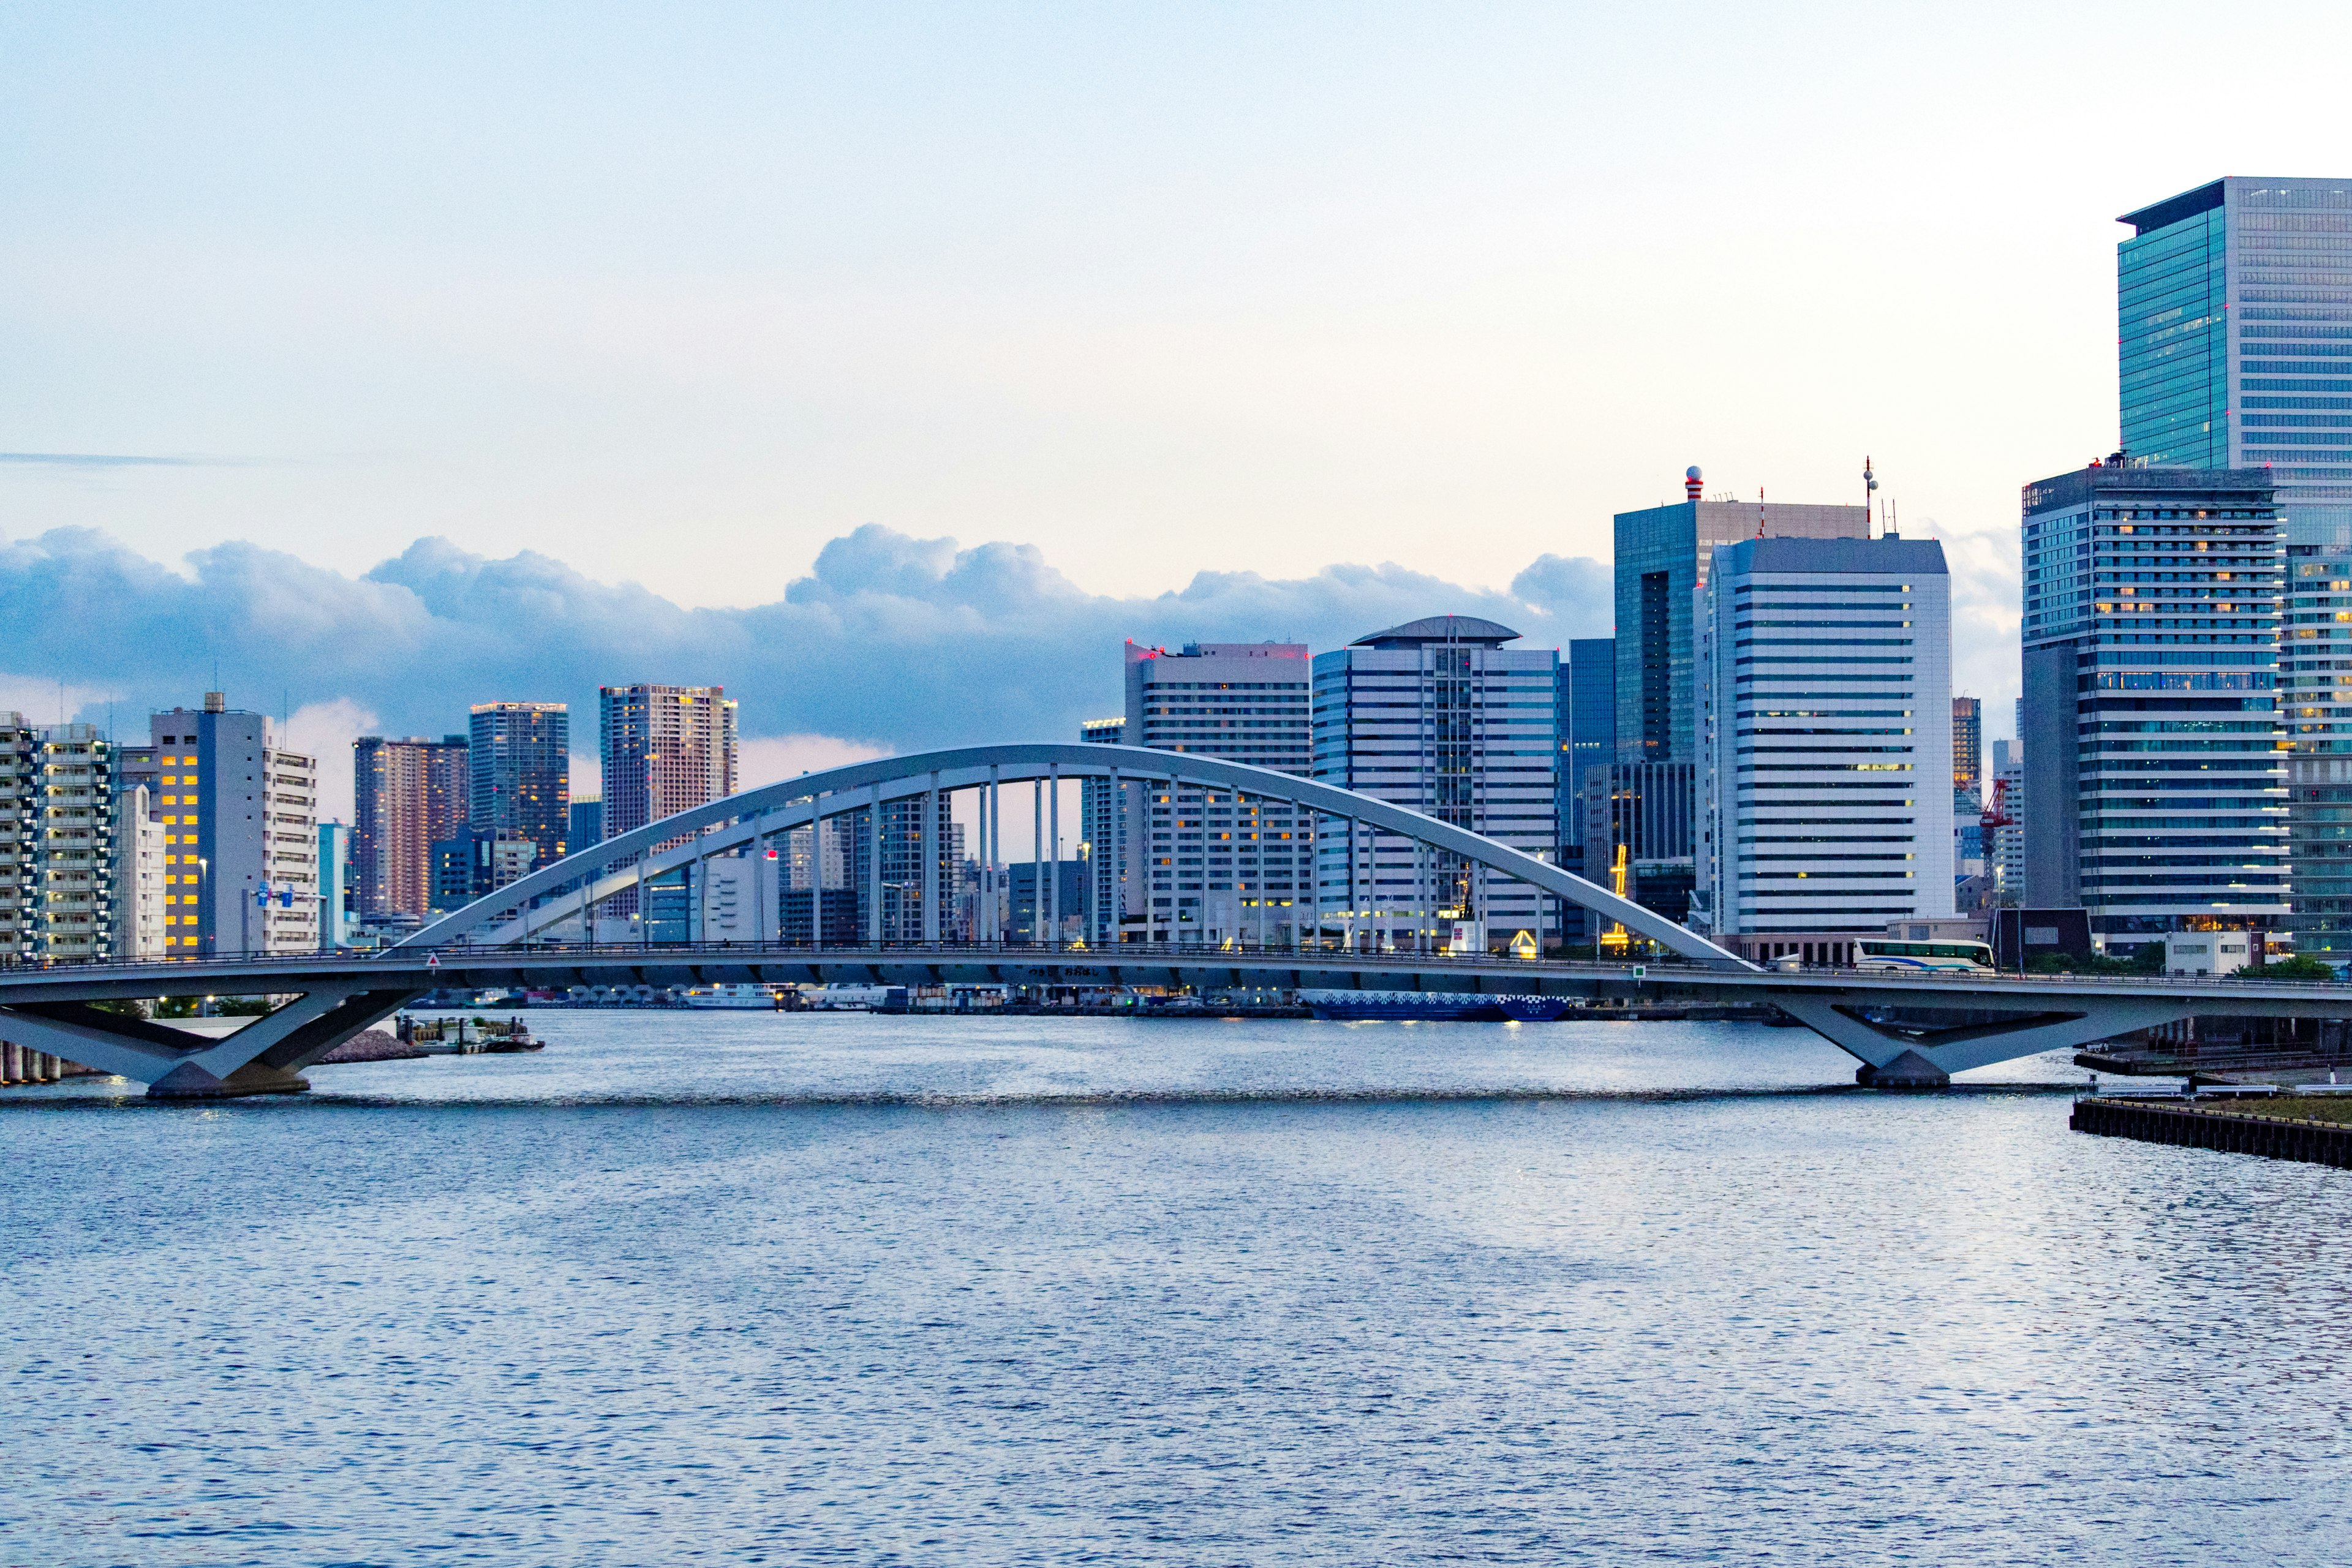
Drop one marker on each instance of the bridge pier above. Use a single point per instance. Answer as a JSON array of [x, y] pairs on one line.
[[1909, 1070], [190, 1081]]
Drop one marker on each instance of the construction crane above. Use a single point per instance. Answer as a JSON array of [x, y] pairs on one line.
[[1614, 941]]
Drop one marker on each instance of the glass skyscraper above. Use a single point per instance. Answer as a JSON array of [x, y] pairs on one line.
[[2153, 744], [2234, 333]]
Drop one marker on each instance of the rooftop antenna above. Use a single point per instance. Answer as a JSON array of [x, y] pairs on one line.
[[1869, 490], [1759, 511]]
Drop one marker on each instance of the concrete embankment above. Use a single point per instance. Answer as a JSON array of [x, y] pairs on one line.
[[2235, 1130]]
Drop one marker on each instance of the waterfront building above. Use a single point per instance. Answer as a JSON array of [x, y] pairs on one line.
[[239, 813], [665, 749], [518, 758], [2151, 705], [335, 905], [1825, 711], [1641, 813], [1662, 554], [1438, 715], [1219, 868], [901, 870], [2234, 345], [137, 874], [407, 795], [72, 884], [739, 898], [1105, 837], [20, 771], [1967, 745], [586, 822]]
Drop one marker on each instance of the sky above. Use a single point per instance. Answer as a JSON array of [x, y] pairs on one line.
[[892, 365]]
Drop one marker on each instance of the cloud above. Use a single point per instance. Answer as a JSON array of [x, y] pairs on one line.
[[766, 759], [326, 731], [891, 644]]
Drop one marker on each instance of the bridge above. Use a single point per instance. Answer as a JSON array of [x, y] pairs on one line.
[[541, 931]]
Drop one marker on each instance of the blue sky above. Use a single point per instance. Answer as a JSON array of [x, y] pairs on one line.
[[685, 298]]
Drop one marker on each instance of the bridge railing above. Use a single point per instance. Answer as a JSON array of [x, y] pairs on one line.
[[466, 953]]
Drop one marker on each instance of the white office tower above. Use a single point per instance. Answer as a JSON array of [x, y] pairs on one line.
[[1438, 715], [1825, 713], [1218, 867]]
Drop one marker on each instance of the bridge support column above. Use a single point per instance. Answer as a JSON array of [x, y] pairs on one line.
[[1898, 1055]]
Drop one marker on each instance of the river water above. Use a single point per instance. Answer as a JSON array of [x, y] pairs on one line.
[[737, 1289]]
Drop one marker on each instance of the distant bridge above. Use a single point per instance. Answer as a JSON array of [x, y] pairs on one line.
[[1904, 1028]]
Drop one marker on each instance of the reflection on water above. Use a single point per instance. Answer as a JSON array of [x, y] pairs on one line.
[[777, 1288]]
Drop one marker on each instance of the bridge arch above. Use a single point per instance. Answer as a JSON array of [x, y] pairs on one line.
[[570, 889]]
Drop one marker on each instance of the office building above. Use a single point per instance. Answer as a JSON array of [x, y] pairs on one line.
[[137, 873], [239, 815], [1662, 563], [1825, 709], [586, 819], [2154, 745], [1025, 922], [1640, 815], [1967, 746], [407, 795], [2235, 344], [337, 909], [1216, 867], [519, 759], [665, 749], [1587, 739], [1439, 715], [1104, 836]]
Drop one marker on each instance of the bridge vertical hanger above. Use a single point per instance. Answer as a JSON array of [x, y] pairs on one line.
[[1053, 862], [816, 872], [934, 876], [873, 865], [1036, 859]]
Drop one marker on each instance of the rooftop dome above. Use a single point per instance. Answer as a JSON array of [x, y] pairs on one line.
[[1439, 628]]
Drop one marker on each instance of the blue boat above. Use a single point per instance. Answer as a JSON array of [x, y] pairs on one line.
[[1435, 1006]]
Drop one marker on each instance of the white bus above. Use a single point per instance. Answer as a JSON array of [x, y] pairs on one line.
[[1940, 957]]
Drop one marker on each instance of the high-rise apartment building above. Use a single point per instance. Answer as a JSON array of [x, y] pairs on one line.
[[1217, 867], [665, 749], [1106, 837], [1438, 715], [1967, 746], [407, 795], [1662, 563], [519, 756], [72, 886], [138, 874], [2235, 334], [20, 771], [239, 813], [1825, 715], [2155, 749]]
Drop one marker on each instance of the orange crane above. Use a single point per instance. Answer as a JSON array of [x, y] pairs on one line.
[[1614, 941]]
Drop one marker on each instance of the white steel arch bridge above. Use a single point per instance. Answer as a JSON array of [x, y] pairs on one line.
[[1904, 1030]]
